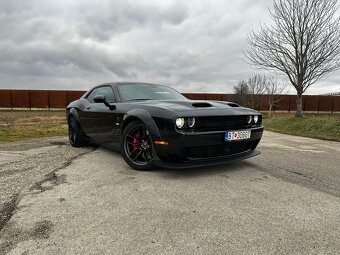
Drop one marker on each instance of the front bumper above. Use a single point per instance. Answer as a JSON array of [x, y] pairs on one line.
[[208, 162], [187, 150]]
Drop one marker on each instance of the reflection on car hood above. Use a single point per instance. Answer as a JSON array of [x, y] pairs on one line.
[[194, 107]]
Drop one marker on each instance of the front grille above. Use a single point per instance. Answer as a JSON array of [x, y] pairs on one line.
[[217, 151], [221, 123]]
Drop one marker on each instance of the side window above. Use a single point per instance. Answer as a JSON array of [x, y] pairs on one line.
[[91, 95], [107, 92]]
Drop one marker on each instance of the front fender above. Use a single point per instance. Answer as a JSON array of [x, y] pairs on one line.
[[146, 118]]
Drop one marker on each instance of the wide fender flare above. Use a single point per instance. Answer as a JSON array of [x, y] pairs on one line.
[[73, 112], [146, 118]]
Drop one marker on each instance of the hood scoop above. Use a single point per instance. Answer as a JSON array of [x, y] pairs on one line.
[[201, 105], [233, 105]]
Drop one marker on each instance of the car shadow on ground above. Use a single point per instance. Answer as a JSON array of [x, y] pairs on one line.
[[221, 170]]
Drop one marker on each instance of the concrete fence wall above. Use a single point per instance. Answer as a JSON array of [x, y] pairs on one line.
[[58, 99]]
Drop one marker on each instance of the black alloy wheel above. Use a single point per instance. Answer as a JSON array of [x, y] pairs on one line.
[[136, 147], [75, 134]]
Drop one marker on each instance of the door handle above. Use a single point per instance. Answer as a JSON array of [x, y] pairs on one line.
[[88, 108]]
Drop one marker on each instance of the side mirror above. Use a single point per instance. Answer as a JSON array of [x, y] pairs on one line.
[[102, 99], [99, 99]]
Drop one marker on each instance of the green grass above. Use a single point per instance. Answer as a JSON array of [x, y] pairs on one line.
[[23, 125], [321, 126]]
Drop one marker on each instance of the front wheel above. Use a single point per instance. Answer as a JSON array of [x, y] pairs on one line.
[[136, 146], [75, 134]]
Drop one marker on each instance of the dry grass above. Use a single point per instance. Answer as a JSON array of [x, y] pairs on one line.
[[21, 125], [17, 117], [38, 119]]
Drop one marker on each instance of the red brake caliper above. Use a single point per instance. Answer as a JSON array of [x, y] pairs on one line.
[[135, 143]]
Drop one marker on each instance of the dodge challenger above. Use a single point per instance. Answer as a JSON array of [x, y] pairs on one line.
[[154, 125]]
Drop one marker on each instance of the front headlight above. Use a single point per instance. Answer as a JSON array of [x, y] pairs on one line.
[[180, 122], [249, 119], [191, 122], [256, 118]]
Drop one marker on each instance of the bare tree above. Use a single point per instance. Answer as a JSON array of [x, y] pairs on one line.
[[273, 91], [256, 85], [241, 91], [249, 92], [303, 43]]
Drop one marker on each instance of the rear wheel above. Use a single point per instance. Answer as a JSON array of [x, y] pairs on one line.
[[75, 134], [136, 146]]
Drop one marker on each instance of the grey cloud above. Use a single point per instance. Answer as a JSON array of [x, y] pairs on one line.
[[124, 16], [192, 45]]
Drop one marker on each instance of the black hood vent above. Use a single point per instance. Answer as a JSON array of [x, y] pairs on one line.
[[233, 105], [201, 105]]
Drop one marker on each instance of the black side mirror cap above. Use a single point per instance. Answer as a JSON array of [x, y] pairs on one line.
[[102, 99], [99, 99]]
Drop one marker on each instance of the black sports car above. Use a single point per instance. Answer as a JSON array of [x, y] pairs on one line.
[[156, 125]]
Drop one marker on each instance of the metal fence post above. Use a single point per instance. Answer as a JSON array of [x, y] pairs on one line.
[[10, 93], [30, 100], [48, 100], [67, 97]]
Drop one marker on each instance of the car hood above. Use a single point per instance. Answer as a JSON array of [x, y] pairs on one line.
[[198, 108]]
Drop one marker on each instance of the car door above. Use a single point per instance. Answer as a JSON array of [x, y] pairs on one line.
[[86, 115], [101, 121]]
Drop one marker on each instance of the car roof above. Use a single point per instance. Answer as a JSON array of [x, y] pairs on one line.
[[114, 84], [125, 82]]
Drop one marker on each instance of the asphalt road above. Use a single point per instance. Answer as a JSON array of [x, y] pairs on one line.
[[286, 201]]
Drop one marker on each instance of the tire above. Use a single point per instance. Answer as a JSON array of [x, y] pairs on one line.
[[136, 146], [75, 134]]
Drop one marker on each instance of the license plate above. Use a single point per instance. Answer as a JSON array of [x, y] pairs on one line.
[[237, 135]]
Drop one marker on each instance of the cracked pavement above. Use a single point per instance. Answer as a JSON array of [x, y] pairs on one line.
[[24, 164], [88, 201]]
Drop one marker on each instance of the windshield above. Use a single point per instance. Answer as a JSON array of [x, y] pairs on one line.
[[139, 91]]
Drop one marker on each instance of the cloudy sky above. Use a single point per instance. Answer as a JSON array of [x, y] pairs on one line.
[[194, 46]]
